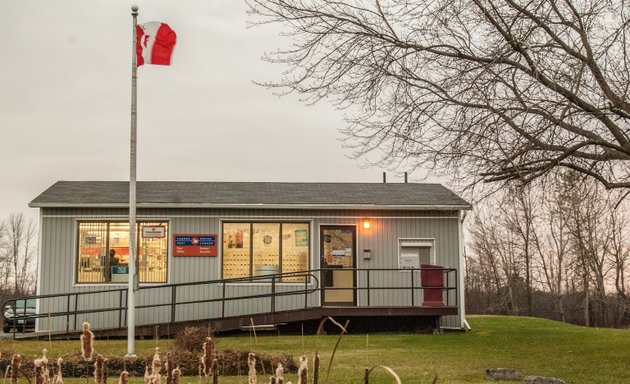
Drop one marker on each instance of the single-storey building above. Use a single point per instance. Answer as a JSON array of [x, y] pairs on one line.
[[230, 250]]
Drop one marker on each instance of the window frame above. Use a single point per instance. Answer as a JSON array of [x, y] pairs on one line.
[[280, 247], [417, 242], [109, 221]]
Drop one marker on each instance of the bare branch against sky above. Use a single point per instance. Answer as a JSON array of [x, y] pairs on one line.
[[494, 91]]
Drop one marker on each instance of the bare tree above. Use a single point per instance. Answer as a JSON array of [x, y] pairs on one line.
[[19, 248], [552, 249], [519, 216], [497, 242], [5, 265], [586, 210], [619, 251], [559, 250], [491, 90], [484, 260]]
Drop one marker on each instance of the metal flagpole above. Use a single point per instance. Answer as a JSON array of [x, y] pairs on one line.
[[133, 278]]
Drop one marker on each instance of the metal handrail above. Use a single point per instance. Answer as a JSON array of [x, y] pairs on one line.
[[311, 285]]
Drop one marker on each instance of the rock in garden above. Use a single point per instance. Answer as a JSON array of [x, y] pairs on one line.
[[542, 380], [503, 374]]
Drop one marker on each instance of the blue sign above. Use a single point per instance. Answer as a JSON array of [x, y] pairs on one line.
[[122, 270], [198, 240]]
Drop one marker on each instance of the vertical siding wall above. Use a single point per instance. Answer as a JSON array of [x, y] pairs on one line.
[[57, 266]]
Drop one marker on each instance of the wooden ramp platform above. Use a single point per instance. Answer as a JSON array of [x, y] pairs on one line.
[[368, 318]]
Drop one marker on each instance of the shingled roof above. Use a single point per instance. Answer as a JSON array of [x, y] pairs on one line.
[[169, 194]]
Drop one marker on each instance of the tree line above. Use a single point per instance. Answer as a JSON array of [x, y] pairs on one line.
[[557, 249], [18, 247]]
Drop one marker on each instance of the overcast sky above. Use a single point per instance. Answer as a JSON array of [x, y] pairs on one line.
[[65, 75]]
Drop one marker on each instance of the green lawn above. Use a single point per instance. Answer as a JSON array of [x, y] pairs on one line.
[[534, 346]]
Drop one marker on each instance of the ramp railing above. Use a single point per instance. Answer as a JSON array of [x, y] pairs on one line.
[[406, 286]]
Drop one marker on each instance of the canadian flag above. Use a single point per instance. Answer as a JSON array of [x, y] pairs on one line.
[[154, 43]]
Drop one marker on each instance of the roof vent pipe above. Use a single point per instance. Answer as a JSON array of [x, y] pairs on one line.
[[384, 177], [405, 177]]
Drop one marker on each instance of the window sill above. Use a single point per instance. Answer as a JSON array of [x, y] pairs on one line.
[[113, 285], [264, 283]]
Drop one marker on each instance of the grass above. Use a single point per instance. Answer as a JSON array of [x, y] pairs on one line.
[[534, 346]]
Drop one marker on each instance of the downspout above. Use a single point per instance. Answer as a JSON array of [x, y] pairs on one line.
[[461, 289]]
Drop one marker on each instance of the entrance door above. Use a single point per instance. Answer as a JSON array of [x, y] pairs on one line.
[[338, 257]]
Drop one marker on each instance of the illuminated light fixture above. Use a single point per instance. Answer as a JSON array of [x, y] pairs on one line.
[[367, 224]]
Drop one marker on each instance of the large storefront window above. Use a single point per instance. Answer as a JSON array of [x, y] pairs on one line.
[[258, 249], [103, 252], [236, 250]]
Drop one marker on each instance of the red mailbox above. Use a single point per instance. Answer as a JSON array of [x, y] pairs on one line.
[[432, 282]]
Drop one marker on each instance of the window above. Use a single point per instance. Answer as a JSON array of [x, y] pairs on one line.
[[103, 252], [258, 249], [415, 252]]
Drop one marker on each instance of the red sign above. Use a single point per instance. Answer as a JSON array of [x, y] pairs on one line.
[[121, 250], [85, 251], [195, 245]]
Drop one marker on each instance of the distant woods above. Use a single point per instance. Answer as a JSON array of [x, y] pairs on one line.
[[18, 250], [557, 250]]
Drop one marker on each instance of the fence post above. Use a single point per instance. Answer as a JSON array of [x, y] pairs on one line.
[[368, 286], [413, 287], [173, 301], [457, 288], [76, 308], [120, 294], [306, 278], [273, 294], [68, 314], [223, 301]]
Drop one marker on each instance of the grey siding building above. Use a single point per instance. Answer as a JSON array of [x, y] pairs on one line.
[[298, 246]]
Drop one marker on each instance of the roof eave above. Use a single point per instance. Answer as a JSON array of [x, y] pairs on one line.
[[455, 207]]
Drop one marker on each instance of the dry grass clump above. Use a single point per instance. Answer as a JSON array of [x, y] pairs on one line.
[[100, 370], [303, 370], [176, 374], [206, 358], [251, 364], [87, 338], [156, 367], [42, 373], [215, 371], [124, 377], [388, 369], [168, 365], [13, 370], [206, 364], [278, 378], [192, 339], [316, 368], [58, 378]]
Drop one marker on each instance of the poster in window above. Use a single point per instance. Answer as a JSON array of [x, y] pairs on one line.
[[235, 239], [153, 232], [301, 237]]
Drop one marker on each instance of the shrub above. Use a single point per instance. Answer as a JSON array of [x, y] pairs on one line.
[[191, 339]]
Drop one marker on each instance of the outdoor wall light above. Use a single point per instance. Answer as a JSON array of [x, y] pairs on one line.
[[367, 224]]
